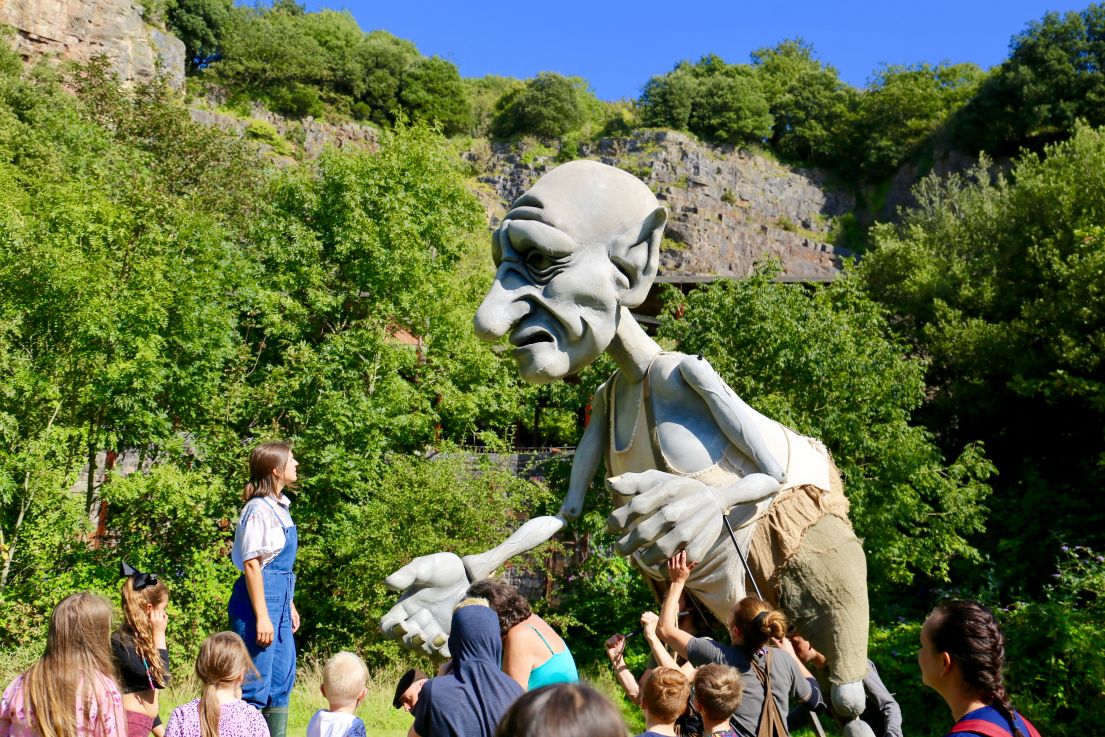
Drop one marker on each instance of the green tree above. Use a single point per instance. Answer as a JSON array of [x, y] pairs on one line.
[[383, 58], [116, 321], [200, 24], [811, 107], [340, 39], [483, 93], [903, 107], [431, 90], [270, 51], [998, 280], [1055, 75], [718, 101], [730, 106], [666, 100], [823, 361], [549, 105]]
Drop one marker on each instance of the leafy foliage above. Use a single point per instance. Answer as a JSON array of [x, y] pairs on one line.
[[902, 108], [998, 281], [1054, 76], [1059, 634], [165, 291], [718, 101], [549, 105], [200, 24], [811, 107]]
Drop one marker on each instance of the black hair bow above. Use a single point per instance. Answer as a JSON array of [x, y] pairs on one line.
[[141, 580]]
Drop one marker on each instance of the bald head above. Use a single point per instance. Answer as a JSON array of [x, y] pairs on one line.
[[582, 244], [587, 201]]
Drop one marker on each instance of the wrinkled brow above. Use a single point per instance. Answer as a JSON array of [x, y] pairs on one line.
[[526, 207], [526, 235]]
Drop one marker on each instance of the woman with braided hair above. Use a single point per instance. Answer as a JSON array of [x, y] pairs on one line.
[[961, 658]]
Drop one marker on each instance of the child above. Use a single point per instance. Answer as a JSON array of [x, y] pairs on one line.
[[140, 650], [71, 689], [221, 666], [717, 696], [664, 697], [343, 685]]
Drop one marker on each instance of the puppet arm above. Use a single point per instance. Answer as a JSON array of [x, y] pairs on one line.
[[433, 584]]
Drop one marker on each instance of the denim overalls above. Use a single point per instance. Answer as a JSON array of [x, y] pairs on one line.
[[276, 663]]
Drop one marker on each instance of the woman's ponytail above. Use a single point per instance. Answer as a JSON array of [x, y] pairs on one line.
[[266, 458], [758, 622]]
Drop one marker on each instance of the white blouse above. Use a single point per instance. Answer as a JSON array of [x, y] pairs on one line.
[[260, 531]]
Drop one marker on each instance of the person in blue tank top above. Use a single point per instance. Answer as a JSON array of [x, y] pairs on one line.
[[961, 658], [533, 654], [262, 608]]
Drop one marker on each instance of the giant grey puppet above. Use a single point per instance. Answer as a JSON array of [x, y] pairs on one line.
[[574, 254]]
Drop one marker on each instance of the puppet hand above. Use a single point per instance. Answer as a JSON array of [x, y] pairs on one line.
[[666, 514], [431, 586]]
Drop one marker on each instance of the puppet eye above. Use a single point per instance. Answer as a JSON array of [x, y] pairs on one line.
[[540, 262]]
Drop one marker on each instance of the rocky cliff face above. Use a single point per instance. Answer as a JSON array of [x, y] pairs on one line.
[[728, 207], [81, 29], [304, 138]]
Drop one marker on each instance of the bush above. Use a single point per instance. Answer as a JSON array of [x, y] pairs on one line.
[[1061, 634], [547, 106], [718, 101]]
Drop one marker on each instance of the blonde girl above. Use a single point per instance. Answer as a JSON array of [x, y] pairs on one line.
[[221, 666], [71, 690], [140, 650]]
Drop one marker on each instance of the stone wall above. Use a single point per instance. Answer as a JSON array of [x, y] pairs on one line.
[[728, 207], [81, 29]]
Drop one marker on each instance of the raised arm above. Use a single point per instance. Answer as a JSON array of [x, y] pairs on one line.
[[589, 455], [668, 628]]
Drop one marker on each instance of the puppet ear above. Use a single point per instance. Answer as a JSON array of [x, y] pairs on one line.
[[636, 254]]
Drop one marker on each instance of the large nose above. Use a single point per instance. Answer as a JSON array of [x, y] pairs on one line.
[[502, 308]]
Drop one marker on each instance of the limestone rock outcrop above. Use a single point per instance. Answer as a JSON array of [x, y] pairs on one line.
[[81, 29], [306, 138], [728, 207]]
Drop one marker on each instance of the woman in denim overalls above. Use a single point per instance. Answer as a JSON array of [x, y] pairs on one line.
[[261, 609]]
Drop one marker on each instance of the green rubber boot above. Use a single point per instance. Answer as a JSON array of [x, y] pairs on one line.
[[277, 719]]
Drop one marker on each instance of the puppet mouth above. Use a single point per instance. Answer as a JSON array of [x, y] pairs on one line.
[[531, 337]]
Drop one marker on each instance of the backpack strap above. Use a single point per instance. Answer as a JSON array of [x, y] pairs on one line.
[[982, 727], [771, 722], [989, 729]]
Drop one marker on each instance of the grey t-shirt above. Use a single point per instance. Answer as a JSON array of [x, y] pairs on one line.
[[786, 679]]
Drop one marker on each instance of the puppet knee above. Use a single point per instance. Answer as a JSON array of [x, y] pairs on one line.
[[849, 699]]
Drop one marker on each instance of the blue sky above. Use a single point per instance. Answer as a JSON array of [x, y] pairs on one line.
[[618, 45]]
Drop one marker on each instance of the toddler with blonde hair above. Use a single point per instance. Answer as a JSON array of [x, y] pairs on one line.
[[343, 684]]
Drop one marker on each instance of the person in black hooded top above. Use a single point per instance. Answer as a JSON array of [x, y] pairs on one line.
[[471, 699]]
